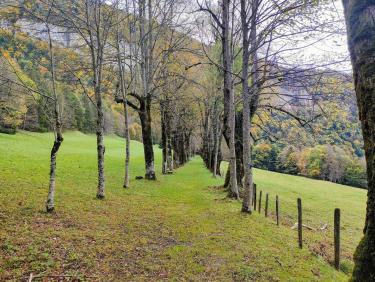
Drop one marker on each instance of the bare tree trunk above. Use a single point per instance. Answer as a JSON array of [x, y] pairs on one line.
[[100, 144], [247, 199], [126, 117], [146, 76], [50, 204], [127, 146], [169, 143], [99, 130], [163, 139], [216, 148], [239, 148], [229, 98], [96, 52], [239, 152], [249, 95], [359, 15], [145, 117]]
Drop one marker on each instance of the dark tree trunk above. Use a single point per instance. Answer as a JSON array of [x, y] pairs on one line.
[[164, 140], [239, 148], [359, 15], [168, 125], [216, 148], [187, 146], [145, 117], [180, 147]]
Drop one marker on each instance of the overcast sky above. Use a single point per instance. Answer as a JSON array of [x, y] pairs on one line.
[[315, 50], [334, 47]]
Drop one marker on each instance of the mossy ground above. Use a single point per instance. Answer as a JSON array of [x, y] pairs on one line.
[[175, 228]]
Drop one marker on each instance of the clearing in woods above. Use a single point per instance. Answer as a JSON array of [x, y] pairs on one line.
[[176, 228]]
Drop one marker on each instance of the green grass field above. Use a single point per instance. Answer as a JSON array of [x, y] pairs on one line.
[[177, 228]]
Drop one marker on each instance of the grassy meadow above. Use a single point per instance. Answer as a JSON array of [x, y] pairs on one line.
[[178, 228]]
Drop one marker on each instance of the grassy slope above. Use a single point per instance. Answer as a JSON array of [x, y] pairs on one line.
[[175, 228]]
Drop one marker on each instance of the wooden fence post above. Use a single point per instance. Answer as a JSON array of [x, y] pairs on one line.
[[255, 197], [260, 201], [266, 207], [336, 234], [277, 210], [299, 204]]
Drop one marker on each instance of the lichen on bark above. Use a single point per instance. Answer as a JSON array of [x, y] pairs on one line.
[[359, 16]]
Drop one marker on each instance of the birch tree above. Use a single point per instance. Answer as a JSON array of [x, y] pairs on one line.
[[51, 96], [50, 204], [124, 56], [93, 21], [54, 116]]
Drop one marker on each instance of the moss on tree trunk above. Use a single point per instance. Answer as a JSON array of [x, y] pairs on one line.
[[360, 21]]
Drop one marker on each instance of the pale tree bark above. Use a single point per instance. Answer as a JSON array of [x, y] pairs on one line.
[[126, 114], [93, 27], [229, 97], [97, 33], [359, 15], [246, 123], [126, 117], [50, 204], [249, 95], [127, 146]]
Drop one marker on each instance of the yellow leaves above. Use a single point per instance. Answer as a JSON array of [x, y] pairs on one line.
[[90, 92], [116, 107], [315, 173], [5, 54], [13, 67], [264, 147], [79, 74], [135, 131], [303, 161]]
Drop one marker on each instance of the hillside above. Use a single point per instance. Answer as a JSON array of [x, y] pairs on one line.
[[176, 228]]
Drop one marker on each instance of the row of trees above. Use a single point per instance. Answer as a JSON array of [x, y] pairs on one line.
[[254, 38], [141, 56], [361, 38], [132, 52]]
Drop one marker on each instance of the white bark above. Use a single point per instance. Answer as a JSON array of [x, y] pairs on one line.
[[50, 204]]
